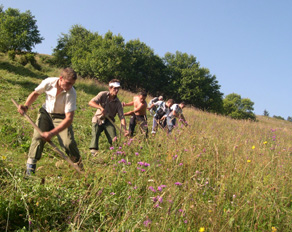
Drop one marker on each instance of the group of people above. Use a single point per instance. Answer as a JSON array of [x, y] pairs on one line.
[[56, 115]]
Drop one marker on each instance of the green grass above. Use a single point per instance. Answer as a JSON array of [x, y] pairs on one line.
[[217, 174]]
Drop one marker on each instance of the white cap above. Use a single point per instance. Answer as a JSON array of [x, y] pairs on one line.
[[115, 84]]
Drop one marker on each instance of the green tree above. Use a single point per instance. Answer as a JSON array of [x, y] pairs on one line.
[[189, 82], [144, 69], [266, 113], [278, 117], [289, 119], [18, 31], [237, 107]]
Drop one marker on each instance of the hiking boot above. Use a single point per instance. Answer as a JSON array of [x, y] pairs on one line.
[[30, 169], [80, 165], [93, 152]]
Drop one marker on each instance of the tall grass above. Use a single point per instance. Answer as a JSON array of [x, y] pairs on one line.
[[217, 174]]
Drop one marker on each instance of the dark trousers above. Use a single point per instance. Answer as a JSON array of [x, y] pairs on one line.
[[141, 120], [109, 130]]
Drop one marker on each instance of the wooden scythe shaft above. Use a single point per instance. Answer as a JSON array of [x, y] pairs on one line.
[[55, 148]]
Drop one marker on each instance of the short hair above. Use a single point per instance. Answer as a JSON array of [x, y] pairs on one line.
[[160, 98], [68, 73], [143, 93], [170, 101], [183, 103]]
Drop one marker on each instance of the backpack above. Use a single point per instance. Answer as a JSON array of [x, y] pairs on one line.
[[160, 111]]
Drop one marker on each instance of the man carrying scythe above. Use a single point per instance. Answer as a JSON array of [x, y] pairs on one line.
[[55, 117], [108, 106]]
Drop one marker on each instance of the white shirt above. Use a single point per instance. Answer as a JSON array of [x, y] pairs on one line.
[[175, 108], [65, 102]]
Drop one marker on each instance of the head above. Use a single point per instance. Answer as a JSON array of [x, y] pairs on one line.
[[142, 96], [114, 87], [160, 98], [169, 103], [67, 79], [182, 105]]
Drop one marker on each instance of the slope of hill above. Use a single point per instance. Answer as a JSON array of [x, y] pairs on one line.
[[217, 174]]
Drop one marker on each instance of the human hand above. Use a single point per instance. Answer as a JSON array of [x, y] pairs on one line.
[[22, 109], [126, 133], [47, 136]]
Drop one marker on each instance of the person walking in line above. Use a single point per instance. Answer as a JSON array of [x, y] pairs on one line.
[[108, 106], [138, 115], [176, 111], [152, 106], [55, 117], [162, 110]]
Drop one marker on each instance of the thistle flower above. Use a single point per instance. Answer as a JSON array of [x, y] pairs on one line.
[[178, 183], [152, 189]]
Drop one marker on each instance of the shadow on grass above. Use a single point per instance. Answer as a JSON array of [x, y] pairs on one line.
[[29, 85], [19, 70], [92, 89]]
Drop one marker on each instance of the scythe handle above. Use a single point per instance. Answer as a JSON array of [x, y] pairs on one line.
[[55, 148]]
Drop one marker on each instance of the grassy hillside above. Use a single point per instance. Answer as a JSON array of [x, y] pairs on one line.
[[217, 174]]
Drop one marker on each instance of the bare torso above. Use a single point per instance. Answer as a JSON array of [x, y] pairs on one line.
[[140, 106]]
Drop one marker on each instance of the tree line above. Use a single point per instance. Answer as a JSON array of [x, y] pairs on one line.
[[178, 76]]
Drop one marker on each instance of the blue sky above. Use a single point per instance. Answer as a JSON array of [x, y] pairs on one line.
[[246, 44]]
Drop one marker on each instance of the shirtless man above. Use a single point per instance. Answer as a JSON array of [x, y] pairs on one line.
[[138, 115]]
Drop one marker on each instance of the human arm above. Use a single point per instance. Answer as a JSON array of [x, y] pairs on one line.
[[128, 104], [97, 106], [47, 135], [129, 113], [30, 99], [124, 125]]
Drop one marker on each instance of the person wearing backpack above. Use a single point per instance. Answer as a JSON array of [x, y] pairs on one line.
[[160, 115], [152, 106]]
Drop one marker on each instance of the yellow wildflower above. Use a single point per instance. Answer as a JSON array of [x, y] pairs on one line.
[[248, 161], [265, 142], [202, 229], [3, 157], [274, 229], [253, 147], [37, 204]]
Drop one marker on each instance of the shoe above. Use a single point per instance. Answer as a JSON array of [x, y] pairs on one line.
[[30, 169], [153, 132], [80, 165], [93, 152]]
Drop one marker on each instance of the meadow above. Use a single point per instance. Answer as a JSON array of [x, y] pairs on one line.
[[217, 174]]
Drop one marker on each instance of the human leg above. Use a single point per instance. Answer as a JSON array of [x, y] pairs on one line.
[[95, 134], [154, 125], [37, 144], [132, 125], [110, 131], [67, 141]]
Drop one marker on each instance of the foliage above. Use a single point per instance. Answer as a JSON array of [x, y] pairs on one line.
[[217, 174], [19, 31], [192, 84], [278, 117], [266, 113], [237, 107], [289, 119], [135, 64]]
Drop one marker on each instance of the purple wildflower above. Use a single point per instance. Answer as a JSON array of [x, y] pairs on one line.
[[152, 189], [147, 222]]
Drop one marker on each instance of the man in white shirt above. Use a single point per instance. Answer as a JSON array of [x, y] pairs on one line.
[[55, 117], [175, 112]]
